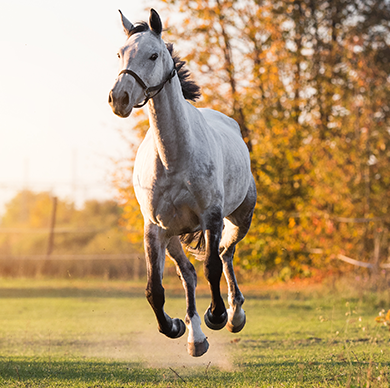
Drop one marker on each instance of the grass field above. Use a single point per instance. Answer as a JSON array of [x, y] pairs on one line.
[[69, 333]]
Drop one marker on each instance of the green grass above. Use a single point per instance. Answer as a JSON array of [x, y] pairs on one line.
[[57, 333]]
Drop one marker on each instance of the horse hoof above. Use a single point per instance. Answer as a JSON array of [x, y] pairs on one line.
[[236, 328], [178, 328], [213, 322], [197, 349]]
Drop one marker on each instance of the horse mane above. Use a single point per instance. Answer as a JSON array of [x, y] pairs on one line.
[[190, 89]]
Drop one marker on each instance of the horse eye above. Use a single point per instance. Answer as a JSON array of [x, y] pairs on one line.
[[154, 57], [118, 55]]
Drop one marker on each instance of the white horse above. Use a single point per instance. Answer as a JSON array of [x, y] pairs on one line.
[[191, 175]]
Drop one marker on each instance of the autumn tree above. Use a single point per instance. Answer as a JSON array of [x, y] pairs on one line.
[[308, 83]]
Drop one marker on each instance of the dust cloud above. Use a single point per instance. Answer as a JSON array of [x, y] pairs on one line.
[[154, 350], [159, 351]]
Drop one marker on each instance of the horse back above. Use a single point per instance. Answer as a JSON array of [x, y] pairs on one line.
[[220, 121]]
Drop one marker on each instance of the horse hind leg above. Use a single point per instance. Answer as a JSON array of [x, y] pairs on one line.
[[236, 315], [197, 342], [215, 316], [236, 227]]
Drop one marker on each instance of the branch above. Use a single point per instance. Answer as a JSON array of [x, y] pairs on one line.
[[177, 374], [349, 260]]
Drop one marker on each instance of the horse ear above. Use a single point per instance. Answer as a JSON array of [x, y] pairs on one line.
[[127, 25], [155, 22]]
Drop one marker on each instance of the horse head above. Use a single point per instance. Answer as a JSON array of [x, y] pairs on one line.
[[145, 66]]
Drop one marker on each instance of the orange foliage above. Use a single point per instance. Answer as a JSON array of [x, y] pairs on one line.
[[309, 87]]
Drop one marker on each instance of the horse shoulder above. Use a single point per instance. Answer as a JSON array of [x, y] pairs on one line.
[[144, 172]]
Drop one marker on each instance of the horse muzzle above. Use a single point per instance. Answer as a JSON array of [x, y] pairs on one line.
[[120, 103]]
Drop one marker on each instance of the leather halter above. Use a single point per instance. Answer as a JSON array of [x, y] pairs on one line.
[[150, 89]]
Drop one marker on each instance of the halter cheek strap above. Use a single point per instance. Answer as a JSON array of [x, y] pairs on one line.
[[150, 89]]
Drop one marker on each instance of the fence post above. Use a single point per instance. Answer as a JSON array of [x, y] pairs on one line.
[[50, 244], [377, 249]]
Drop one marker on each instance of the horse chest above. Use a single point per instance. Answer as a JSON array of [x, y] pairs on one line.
[[173, 198], [168, 200]]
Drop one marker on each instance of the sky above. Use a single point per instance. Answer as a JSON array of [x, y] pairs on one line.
[[58, 64]]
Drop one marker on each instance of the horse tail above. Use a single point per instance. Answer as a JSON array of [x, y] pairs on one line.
[[195, 243]]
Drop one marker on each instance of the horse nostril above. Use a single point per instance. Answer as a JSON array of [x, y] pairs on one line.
[[109, 98], [125, 99]]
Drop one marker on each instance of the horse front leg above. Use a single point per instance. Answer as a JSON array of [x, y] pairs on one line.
[[155, 245], [197, 342], [215, 316]]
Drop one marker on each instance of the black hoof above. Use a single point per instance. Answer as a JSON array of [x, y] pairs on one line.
[[177, 330], [215, 323]]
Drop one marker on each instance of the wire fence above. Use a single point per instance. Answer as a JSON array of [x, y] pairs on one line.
[[131, 266], [110, 266]]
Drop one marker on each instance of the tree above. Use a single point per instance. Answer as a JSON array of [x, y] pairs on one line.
[[308, 82]]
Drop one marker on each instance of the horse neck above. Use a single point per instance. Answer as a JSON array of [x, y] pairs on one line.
[[170, 125]]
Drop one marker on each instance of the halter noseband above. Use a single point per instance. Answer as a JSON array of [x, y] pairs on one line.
[[150, 89]]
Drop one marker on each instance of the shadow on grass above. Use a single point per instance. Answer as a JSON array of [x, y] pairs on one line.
[[89, 373], [16, 372], [73, 372]]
